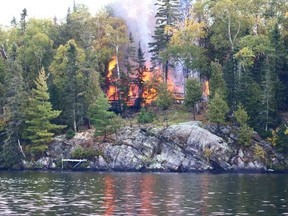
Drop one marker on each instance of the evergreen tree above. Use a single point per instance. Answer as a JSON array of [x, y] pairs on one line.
[[216, 80], [70, 84], [193, 94], [166, 16], [140, 69], [39, 115], [101, 118], [23, 22], [252, 99], [241, 115], [245, 132], [268, 116], [217, 109], [164, 97], [15, 96]]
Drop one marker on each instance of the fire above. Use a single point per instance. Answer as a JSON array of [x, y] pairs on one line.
[[206, 89], [112, 91], [149, 91]]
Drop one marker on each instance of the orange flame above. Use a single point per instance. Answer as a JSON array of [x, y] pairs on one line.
[[149, 93], [112, 91], [206, 89]]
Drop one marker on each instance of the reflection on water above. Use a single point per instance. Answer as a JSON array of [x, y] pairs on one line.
[[89, 193]]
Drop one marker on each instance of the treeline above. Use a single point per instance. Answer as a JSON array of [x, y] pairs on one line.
[[53, 75], [240, 46]]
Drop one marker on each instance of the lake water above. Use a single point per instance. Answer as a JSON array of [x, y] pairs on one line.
[[92, 193]]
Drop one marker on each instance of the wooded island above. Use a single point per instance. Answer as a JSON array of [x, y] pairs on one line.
[[89, 71]]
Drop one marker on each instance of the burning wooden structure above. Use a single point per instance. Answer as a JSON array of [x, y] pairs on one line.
[[149, 81]]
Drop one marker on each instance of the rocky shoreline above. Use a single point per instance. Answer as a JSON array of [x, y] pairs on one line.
[[184, 147]]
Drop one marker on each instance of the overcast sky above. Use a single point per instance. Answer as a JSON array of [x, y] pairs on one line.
[[43, 8]]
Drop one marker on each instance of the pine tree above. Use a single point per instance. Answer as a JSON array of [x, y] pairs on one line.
[[101, 118], [14, 98], [164, 97], [245, 132], [241, 115], [39, 115], [217, 108], [70, 85], [216, 80], [193, 94], [268, 116], [140, 69], [166, 16]]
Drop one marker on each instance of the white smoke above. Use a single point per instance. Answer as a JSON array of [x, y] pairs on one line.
[[140, 19]]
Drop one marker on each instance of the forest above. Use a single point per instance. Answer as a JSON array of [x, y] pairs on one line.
[[89, 71]]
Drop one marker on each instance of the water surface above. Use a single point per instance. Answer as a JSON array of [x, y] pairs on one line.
[[92, 193]]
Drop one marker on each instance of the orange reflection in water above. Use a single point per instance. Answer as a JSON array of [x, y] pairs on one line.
[[205, 194], [147, 194], [109, 195]]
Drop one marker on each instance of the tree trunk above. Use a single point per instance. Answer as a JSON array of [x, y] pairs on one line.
[[74, 121], [21, 149], [166, 71]]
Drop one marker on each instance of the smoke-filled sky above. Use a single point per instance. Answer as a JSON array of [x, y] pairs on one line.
[[43, 8]]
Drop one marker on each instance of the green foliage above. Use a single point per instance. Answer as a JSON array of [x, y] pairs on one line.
[[217, 109], [70, 134], [39, 114], [36, 151], [101, 118], [164, 97], [166, 16], [245, 134], [259, 152], [145, 116], [69, 83], [282, 140], [15, 101], [85, 153], [10, 155], [193, 94], [241, 116], [216, 81]]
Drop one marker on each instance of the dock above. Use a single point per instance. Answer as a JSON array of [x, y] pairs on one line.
[[78, 161]]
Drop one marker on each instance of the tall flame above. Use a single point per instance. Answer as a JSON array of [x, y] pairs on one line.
[[206, 89], [112, 91], [149, 93]]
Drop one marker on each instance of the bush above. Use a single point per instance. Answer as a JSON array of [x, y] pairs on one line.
[[282, 140], [145, 116], [245, 135], [81, 153], [259, 152], [36, 151], [207, 153], [70, 134]]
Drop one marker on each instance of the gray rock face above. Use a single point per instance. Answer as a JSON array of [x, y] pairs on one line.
[[182, 147]]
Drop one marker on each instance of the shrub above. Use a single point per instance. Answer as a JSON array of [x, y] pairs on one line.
[[259, 152], [207, 153], [245, 135], [70, 134], [36, 151], [83, 153], [145, 116]]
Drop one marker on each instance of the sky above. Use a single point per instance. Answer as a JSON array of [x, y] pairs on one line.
[[43, 8]]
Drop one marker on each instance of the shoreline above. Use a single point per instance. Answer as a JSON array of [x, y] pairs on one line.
[[213, 172]]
